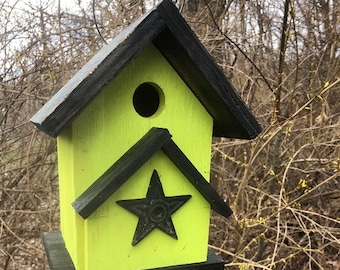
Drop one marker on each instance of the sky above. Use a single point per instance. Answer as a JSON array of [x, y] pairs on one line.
[[12, 16]]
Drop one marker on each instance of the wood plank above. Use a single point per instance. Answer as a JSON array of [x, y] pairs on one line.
[[193, 62], [167, 29], [120, 171], [213, 263], [74, 97], [193, 175], [57, 254]]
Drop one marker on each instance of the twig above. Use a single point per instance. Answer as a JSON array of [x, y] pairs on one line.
[[237, 46]]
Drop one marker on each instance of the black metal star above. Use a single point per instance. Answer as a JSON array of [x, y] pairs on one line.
[[155, 210]]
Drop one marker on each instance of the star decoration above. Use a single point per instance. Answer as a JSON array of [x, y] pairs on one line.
[[155, 210]]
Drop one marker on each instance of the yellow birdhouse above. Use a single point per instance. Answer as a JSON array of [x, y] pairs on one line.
[[134, 129]]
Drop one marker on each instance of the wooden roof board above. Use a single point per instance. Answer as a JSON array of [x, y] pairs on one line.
[[167, 30], [92, 78]]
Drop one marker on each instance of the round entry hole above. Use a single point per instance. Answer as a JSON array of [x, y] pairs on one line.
[[147, 99]]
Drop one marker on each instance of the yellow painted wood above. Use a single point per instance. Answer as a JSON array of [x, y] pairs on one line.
[[72, 225], [104, 132]]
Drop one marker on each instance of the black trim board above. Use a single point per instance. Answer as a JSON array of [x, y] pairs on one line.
[[213, 263], [120, 171], [195, 65], [193, 175], [57, 254], [167, 30], [96, 74], [132, 160]]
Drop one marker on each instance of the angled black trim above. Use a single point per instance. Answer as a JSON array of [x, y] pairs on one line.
[[96, 74], [57, 254], [132, 160], [120, 171], [168, 31], [193, 175], [181, 47]]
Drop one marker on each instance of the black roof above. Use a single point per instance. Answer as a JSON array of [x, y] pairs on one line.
[[164, 27]]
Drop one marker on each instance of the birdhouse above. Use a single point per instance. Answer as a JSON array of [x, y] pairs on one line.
[[134, 128]]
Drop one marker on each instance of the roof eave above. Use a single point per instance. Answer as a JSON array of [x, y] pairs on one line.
[[96, 74], [195, 65]]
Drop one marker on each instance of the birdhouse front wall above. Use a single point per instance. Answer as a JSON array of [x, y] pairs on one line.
[[114, 121]]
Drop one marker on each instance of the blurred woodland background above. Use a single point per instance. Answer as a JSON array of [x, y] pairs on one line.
[[283, 57]]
